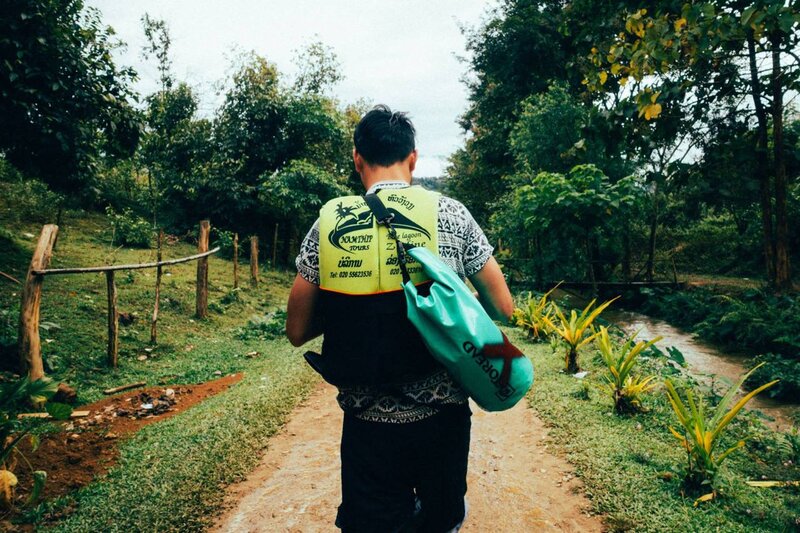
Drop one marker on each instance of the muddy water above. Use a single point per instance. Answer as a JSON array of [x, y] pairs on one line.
[[707, 363]]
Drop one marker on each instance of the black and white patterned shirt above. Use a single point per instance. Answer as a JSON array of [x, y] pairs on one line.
[[462, 246]]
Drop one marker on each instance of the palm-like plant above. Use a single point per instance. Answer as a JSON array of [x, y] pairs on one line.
[[624, 387], [575, 330], [14, 396], [701, 435], [531, 317]]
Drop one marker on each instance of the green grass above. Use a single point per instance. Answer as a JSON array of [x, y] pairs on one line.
[[171, 475], [631, 465], [189, 350]]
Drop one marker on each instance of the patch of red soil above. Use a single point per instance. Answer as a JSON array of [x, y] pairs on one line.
[[87, 447]]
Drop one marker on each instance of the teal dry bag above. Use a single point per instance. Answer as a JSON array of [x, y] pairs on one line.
[[457, 330]]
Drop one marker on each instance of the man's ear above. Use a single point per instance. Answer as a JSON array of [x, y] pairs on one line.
[[412, 160], [358, 161]]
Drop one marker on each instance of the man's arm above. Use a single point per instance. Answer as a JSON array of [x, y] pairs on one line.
[[493, 291], [302, 320]]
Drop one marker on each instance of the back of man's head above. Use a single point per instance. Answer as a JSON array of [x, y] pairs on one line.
[[383, 137]]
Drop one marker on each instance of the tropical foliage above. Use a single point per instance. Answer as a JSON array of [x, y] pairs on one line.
[[625, 388], [576, 331], [701, 433], [531, 316]]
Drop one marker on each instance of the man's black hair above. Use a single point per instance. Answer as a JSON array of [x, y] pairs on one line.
[[383, 137]]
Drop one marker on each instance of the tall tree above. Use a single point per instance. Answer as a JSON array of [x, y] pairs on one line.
[[63, 101], [708, 56]]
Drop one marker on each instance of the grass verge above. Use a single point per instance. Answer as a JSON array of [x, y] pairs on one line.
[[631, 464]]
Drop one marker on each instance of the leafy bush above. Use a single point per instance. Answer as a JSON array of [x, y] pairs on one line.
[[625, 388], [701, 434], [572, 330], [530, 317], [129, 229], [223, 239], [14, 396], [773, 366], [271, 326], [29, 201]]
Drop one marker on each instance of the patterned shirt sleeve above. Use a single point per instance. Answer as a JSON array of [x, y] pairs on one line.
[[477, 249], [307, 261]]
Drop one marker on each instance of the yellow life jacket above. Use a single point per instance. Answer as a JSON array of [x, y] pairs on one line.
[[358, 257], [367, 338]]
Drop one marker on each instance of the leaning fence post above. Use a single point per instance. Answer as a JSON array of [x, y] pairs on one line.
[[113, 320], [202, 271], [254, 260], [154, 321], [30, 347], [235, 260]]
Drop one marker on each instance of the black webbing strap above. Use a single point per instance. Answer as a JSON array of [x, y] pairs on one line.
[[384, 218]]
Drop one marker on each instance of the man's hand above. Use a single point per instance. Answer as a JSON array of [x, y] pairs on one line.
[[493, 291], [302, 321]]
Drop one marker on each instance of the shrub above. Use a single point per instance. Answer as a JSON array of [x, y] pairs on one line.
[[530, 317], [625, 388], [129, 229], [773, 366], [223, 239], [271, 326], [29, 201], [701, 434], [572, 330]]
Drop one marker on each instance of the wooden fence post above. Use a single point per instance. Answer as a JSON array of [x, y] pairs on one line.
[[113, 320], [235, 260], [275, 246], [254, 260], [154, 322], [29, 344], [202, 271]]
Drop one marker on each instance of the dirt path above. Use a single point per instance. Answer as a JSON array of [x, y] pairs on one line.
[[514, 483]]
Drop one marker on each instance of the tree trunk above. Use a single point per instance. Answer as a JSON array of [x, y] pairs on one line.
[[29, 343], [762, 162], [590, 263], [783, 275], [572, 361], [626, 253], [651, 253]]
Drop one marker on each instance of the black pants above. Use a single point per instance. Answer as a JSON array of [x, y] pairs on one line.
[[388, 468]]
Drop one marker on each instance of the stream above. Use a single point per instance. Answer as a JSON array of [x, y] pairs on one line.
[[705, 362]]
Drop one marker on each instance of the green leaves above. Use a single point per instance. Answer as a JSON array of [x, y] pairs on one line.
[[700, 434]]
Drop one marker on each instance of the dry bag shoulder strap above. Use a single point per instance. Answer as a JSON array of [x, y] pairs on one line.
[[384, 218]]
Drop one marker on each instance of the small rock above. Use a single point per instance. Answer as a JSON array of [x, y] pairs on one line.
[[169, 393], [65, 394], [217, 372], [74, 436], [126, 319], [28, 235], [146, 406], [110, 436], [142, 357], [251, 354]]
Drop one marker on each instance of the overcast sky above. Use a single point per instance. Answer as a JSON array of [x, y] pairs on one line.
[[399, 52]]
